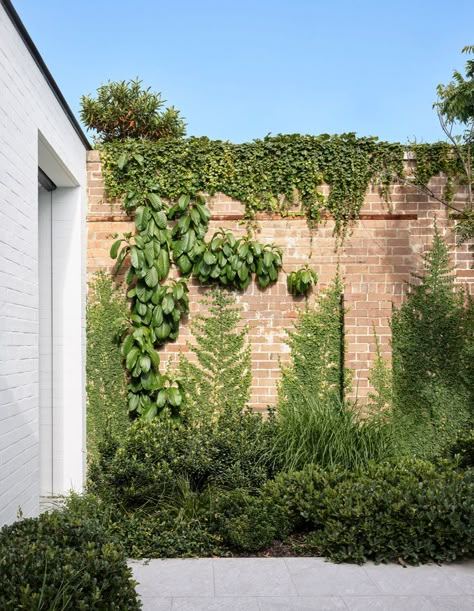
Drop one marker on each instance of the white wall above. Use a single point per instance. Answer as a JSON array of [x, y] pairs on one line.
[[34, 130]]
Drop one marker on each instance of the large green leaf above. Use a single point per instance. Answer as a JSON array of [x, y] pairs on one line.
[[155, 201], [114, 249], [131, 358], [174, 396], [163, 263], [151, 277], [168, 304]]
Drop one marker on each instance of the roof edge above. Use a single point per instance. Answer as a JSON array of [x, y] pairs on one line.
[[35, 54]]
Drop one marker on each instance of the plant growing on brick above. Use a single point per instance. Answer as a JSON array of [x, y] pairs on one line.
[[106, 381], [231, 262], [220, 379], [300, 282], [124, 110], [432, 348], [158, 304]]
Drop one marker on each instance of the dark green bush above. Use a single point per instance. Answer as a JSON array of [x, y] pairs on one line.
[[301, 494], [227, 452], [410, 510], [247, 523], [62, 561]]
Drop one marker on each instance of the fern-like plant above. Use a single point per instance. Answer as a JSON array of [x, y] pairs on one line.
[[432, 345], [316, 346], [219, 380]]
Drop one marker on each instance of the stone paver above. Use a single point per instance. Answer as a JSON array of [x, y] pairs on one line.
[[301, 584]]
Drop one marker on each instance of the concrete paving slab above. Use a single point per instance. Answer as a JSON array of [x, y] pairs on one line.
[[301, 584], [316, 577], [175, 577], [252, 577], [452, 603], [462, 574], [424, 580], [157, 604], [216, 603], [301, 603], [388, 603]]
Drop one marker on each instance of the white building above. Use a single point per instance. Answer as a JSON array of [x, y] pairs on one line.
[[42, 280]]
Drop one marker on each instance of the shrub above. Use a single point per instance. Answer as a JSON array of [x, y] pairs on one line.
[[143, 468], [106, 382], [247, 523], [301, 494], [124, 110], [59, 561], [410, 510], [158, 530]]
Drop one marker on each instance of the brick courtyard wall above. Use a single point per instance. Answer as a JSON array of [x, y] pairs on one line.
[[376, 261]]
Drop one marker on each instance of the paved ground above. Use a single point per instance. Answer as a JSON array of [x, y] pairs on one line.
[[301, 584]]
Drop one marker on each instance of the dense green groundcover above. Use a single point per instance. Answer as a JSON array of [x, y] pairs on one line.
[[61, 561]]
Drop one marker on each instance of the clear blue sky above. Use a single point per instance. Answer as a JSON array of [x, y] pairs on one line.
[[240, 69]]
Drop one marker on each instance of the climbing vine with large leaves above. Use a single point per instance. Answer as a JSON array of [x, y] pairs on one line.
[[166, 235]]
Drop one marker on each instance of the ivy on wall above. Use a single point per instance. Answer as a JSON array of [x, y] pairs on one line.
[[269, 175]]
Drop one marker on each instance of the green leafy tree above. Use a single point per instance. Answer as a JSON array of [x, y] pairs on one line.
[[220, 379], [432, 348], [106, 381], [455, 107], [124, 110]]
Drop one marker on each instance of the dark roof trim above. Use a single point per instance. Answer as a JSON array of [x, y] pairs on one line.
[[22, 31]]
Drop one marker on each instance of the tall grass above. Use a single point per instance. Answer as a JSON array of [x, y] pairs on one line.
[[328, 433]]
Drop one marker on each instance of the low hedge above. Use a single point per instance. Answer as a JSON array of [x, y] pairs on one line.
[[61, 561], [410, 509]]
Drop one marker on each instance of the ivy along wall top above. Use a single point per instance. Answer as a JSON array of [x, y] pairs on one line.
[[375, 262]]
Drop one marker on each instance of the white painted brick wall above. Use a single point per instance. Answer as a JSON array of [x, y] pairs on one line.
[[27, 107]]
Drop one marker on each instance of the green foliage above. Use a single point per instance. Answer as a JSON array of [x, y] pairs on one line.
[[61, 561], [270, 175], [463, 449], [432, 346], [231, 262], [154, 531], [301, 281], [300, 494], [247, 523], [316, 346], [106, 383], [156, 307], [124, 110], [380, 377], [328, 433], [408, 510], [455, 108], [150, 460], [220, 379]]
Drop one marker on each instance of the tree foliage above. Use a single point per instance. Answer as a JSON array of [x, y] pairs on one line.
[[124, 110]]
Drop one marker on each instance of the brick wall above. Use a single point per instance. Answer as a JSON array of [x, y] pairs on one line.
[[375, 262]]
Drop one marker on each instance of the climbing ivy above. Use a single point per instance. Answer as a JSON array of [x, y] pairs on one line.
[[269, 175]]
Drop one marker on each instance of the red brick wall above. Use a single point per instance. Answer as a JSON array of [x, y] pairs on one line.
[[375, 262]]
